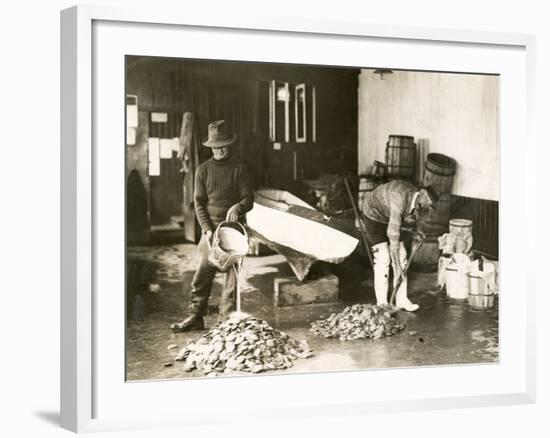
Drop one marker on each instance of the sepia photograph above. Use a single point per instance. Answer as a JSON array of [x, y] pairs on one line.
[[293, 218]]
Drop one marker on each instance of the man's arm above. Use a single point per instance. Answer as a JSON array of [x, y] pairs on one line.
[[394, 236], [201, 198], [246, 196], [245, 190]]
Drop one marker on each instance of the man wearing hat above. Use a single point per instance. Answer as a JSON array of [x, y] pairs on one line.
[[223, 191], [385, 208]]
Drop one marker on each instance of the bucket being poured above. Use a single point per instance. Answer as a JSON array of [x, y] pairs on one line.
[[229, 245]]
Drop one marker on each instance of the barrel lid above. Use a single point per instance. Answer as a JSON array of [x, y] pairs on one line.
[[461, 223], [441, 160], [400, 136]]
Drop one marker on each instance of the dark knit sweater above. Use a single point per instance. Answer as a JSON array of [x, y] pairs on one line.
[[218, 186]]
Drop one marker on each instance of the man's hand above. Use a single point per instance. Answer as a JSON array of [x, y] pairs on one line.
[[397, 270], [418, 238], [233, 213], [419, 235]]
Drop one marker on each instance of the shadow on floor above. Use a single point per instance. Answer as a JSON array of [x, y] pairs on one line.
[[51, 417]]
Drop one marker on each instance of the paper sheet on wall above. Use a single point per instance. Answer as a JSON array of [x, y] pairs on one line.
[[159, 117], [165, 148], [131, 116], [154, 157], [130, 136]]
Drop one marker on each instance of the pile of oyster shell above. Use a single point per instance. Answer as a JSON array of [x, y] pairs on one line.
[[359, 321], [242, 344]]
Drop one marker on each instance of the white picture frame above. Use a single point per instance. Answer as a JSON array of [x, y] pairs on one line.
[[300, 122], [85, 235], [274, 100]]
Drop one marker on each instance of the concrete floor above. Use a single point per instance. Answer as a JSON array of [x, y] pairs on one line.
[[442, 332]]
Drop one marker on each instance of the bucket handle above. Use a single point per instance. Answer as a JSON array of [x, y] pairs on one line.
[[227, 222]]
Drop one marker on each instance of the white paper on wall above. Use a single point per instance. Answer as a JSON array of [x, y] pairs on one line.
[[154, 156], [131, 136], [165, 148], [159, 117], [131, 116]]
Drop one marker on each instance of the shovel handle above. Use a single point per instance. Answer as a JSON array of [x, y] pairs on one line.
[[359, 219]]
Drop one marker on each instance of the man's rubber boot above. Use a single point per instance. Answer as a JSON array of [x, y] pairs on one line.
[[191, 323]]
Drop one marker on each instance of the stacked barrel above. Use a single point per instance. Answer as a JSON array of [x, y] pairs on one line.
[[400, 157], [439, 172], [400, 164]]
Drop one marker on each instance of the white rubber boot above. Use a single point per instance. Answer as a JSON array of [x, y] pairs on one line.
[[381, 256], [401, 299]]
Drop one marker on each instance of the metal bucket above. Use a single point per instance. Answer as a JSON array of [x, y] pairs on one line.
[[228, 246], [456, 284]]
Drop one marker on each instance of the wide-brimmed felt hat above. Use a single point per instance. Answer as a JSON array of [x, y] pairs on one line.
[[218, 135]]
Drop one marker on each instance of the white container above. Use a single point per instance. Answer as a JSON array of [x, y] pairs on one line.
[[462, 230], [481, 294], [456, 284]]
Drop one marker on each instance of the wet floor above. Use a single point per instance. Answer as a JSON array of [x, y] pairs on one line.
[[441, 332]]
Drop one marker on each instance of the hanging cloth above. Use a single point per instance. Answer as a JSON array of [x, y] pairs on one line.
[[189, 143], [188, 156]]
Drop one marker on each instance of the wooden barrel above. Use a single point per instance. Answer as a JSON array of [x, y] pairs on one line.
[[426, 258], [379, 169], [439, 172], [401, 156], [436, 222]]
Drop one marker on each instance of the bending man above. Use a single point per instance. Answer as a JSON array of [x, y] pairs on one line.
[[385, 208]]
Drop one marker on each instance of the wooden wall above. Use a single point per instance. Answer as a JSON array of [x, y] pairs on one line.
[[485, 217], [231, 91]]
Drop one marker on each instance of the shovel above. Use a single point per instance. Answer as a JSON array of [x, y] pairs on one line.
[[359, 219]]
